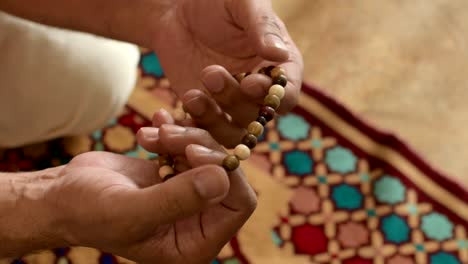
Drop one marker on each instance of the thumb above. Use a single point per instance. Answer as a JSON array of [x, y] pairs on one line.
[[180, 197], [264, 29]]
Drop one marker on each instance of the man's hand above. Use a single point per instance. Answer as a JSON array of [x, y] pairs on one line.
[[119, 204], [217, 38], [200, 44]]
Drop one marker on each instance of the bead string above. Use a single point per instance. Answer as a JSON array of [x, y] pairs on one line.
[[254, 130]]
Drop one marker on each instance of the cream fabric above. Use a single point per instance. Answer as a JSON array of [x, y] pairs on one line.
[[57, 83]]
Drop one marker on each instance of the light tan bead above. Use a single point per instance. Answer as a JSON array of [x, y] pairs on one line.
[[242, 152], [277, 90], [255, 128], [277, 71], [165, 171], [179, 115]]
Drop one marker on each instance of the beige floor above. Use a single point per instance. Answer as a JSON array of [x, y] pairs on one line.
[[403, 65]]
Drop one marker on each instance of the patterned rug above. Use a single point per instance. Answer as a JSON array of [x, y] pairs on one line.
[[331, 189]]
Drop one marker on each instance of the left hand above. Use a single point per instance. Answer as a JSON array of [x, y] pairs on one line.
[[118, 204], [220, 38]]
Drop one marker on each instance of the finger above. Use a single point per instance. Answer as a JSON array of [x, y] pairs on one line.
[[225, 91], [175, 139], [264, 29], [258, 88], [294, 73], [208, 115], [240, 193], [198, 155], [162, 117], [178, 198], [255, 86], [239, 203], [148, 138]]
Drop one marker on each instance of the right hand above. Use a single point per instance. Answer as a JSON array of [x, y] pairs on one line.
[[119, 204]]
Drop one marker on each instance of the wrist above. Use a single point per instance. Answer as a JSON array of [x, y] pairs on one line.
[[28, 220]]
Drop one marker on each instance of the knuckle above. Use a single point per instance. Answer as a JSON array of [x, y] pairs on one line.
[[271, 24], [203, 134]]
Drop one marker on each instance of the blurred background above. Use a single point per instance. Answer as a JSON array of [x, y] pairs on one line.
[[402, 65]]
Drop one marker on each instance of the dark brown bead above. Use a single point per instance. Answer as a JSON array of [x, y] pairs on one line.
[[281, 80], [268, 70], [267, 112], [262, 120], [272, 101], [165, 160], [250, 141], [231, 163], [169, 177], [262, 70]]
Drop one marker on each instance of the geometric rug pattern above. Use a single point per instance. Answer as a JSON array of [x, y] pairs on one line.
[[331, 188]]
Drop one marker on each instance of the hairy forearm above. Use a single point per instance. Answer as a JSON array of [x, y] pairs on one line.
[[125, 20], [26, 219]]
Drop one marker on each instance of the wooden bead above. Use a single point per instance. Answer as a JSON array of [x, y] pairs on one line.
[[281, 80], [262, 120], [166, 170], [179, 115], [165, 160], [277, 90], [255, 128], [231, 163], [250, 141], [242, 152], [240, 76], [268, 70], [267, 112], [272, 101], [277, 71]]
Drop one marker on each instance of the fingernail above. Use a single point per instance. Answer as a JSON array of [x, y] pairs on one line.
[[173, 129], [196, 107], [213, 81], [150, 133], [273, 40], [200, 150], [210, 183]]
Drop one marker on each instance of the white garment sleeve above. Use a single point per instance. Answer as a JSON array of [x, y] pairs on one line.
[[55, 82]]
